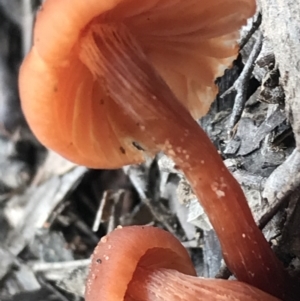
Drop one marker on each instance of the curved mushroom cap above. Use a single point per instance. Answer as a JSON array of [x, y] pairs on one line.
[[70, 107], [150, 264], [118, 255]]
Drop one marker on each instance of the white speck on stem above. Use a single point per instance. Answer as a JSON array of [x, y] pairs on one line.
[[218, 192], [171, 152], [178, 149], [103, 239]]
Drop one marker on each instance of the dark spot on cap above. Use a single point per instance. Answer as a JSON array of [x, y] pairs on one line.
[[122, 149], [98, 260], [137, 146]]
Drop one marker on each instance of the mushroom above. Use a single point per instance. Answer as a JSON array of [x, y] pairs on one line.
[[106, 76], [150, 264]]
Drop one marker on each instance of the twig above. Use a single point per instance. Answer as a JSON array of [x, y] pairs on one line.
[[138, 180], [27, 22], [99, 214], [241, 85], [270, 213], [111, 225], [66, 265], [83, 228], [58, 295], [255, 26], [159, 216]]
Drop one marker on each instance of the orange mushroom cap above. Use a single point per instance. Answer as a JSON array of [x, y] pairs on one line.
[[149, 264], [118, 254], [64, 92]]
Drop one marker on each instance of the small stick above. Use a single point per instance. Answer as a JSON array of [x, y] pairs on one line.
[[241, 85], [27, 25], [255, 26], [100, 211], [66, 265]]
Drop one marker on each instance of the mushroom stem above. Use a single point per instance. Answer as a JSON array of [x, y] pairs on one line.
[[245, 249], [156, 110], [166, 284]]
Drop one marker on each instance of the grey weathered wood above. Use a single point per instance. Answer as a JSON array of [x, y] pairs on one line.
[[281, 28]]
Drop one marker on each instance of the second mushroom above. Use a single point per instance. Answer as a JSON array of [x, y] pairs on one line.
[[152, 265]]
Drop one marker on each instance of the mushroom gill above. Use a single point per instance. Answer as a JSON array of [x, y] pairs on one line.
[[72, 97]]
